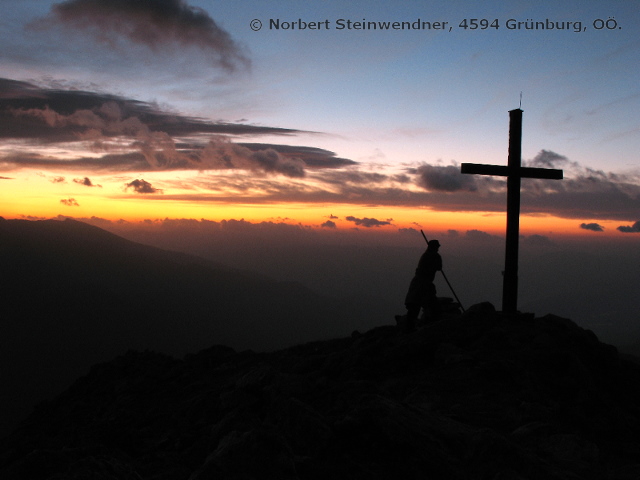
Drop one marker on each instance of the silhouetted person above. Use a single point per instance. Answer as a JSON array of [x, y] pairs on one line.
[[422, 291]]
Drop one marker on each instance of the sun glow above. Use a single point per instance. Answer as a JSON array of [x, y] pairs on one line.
[[226, 195], [46, 196]]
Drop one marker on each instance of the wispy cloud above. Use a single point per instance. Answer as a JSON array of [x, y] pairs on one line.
[[537, 240], [86, 181], [594, 227], [479, 236], [142, 186], [61, 115], [70, 202], [368, 222], [220, 154], [159, 25], [635, 228]]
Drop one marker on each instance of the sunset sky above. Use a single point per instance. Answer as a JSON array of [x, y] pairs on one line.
[[146, 110]]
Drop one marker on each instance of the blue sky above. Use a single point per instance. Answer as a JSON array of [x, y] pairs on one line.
[[418, 94]]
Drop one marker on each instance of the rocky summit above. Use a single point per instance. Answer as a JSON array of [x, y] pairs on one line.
[[473, 396]]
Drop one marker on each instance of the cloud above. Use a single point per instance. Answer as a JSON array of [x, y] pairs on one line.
[[57, 180], [329, 224], [86, 182], [271, 161], [368, 222], [480, 236], [158, 24], [586, 194], [221, 154], [635, 228], [159, 152], [69, 202], [108, 163], [311, 156], [444, 179], [355, 177], [139, 136], [537, 240], [547, 159], [409, 232], [142, 186], [111, 134], [53, 115], [594, 227]]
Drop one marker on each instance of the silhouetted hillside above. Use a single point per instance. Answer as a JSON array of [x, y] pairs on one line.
[[477, 396], [73, 295]]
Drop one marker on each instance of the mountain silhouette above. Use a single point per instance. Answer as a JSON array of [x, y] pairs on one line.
[[473, 396], [73, 295]]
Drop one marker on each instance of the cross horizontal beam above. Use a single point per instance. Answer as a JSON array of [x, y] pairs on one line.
[[504, 171]]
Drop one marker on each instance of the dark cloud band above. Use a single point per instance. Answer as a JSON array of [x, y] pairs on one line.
[[53, 115]]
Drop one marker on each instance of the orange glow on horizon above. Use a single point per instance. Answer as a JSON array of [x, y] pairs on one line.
[[311, 215], [41, 196]]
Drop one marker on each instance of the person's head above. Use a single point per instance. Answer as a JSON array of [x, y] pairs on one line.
[[433, 245]]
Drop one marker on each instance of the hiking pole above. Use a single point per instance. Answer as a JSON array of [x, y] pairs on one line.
[[452, 291], [445, 277]]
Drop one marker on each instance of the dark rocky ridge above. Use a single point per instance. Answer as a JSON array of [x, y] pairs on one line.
[[478, 396]]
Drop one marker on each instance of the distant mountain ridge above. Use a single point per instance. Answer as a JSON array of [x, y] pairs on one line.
[[474, 396], [73, 294], [78, 269]]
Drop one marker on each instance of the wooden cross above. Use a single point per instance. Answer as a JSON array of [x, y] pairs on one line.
[[514, 171]]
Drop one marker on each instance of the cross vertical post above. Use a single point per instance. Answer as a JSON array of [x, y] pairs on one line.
[[514, 171], [514, 162]]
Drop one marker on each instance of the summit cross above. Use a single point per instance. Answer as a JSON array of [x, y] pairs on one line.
[[514, 171]]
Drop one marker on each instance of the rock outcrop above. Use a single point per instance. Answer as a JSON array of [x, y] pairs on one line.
[[477, 396]]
